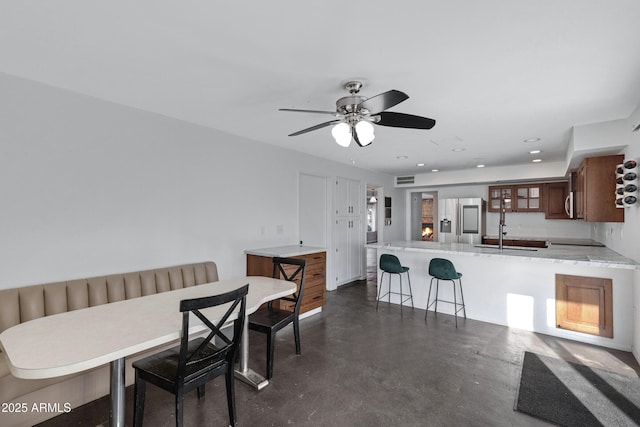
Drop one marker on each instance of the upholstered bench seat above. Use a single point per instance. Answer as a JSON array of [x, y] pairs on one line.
[[19, 305]]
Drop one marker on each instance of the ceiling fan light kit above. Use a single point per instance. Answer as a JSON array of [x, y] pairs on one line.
[[342, 134], [355, 115]]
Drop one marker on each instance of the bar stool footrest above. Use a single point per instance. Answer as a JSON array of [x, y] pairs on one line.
[[457, 304], [408, 298]]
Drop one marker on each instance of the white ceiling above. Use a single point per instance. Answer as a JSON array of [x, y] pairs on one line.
[[492, 73]]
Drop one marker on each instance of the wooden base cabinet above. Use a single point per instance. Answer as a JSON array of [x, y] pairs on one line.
[[516, 242], [315, 282], [584, 304]]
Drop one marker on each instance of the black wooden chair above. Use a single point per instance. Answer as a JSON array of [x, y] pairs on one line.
[[193, 363], [270, 319]]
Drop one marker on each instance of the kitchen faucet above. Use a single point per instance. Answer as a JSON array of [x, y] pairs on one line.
[[502, 225]]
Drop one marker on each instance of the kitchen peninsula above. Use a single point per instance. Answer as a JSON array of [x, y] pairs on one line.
[[517, 287]]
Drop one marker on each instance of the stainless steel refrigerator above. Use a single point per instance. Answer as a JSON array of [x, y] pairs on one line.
[[462, 220]]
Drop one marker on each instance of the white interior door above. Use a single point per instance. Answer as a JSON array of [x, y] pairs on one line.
[[312, 210]]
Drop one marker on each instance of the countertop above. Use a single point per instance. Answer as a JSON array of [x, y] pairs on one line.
[[554, 240], [575, 242], [285, 251], [592, 256]]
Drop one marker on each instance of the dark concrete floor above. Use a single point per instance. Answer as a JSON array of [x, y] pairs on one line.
[[362, 367]]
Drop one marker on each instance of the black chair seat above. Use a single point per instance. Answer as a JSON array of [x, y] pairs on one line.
[[161, 369], [270, 318]]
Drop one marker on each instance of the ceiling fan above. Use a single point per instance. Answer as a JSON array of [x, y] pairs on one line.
[[355, 115]]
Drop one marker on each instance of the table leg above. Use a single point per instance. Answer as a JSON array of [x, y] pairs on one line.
[[245, 374], [116, 414]]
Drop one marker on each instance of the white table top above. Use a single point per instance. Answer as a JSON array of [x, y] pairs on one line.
[[78, 340]]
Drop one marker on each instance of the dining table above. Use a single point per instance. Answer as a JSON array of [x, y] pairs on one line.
[[75, 341]]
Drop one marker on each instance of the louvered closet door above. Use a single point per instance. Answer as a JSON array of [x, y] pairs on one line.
[[342, 252], [348, 233]]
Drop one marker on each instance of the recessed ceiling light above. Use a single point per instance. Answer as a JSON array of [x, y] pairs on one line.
[[536, 160], [457, 150], [535, 151], [532, 140], [435, 170], [480, 166], [420, 164], [401, 157]]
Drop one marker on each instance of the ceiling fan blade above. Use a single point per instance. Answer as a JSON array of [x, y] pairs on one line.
[[319, 126], [401, 120], [383, 101], [354, 135], [333, 113]]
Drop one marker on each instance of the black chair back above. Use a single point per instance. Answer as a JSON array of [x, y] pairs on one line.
[[193, 360], [293, 270]]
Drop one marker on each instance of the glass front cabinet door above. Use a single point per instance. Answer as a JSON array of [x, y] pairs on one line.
[[515, 198]]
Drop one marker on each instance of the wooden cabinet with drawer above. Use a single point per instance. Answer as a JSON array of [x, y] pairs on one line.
[[315, 278]]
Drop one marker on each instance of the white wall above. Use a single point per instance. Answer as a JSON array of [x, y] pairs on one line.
[[624, 237], [530, 172], [535, 225], [596, 138], [90, 187]]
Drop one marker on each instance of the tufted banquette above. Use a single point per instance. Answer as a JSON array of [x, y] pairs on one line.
[[20, 305]]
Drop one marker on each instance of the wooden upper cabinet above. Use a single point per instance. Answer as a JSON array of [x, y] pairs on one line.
[[496, 194], [596, 190], [580, 203], [528, 198], [555, 196], [517, 198]]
